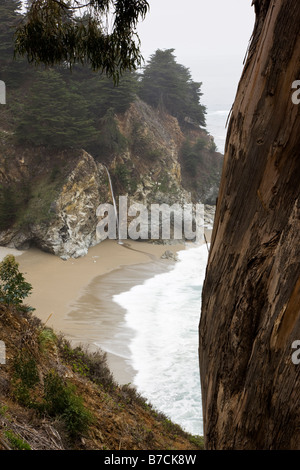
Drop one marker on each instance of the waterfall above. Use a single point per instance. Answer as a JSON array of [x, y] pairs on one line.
[[114, 203]]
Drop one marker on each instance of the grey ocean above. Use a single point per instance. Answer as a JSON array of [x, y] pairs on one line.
[[163, 314]]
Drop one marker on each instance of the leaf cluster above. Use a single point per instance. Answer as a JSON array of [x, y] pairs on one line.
[[13, 287], [53, 32]]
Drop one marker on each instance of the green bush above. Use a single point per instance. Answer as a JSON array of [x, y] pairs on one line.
[[192, 155], [8, 207], [61, 400], [25, 378], [13, 287], [47, 338], [92, 365]]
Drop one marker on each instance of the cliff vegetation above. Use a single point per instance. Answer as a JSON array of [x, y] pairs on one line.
[[55, 397]]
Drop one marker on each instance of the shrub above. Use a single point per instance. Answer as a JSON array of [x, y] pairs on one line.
[[25, 378], [47, 339], [92, 365], [61, 400], [13, 287], [8, 207]]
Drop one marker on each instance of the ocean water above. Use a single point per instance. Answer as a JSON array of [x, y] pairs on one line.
[[216, 119], [163, 313]]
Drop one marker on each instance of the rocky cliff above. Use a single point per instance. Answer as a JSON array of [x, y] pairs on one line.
[[55, 194], [251, 304]]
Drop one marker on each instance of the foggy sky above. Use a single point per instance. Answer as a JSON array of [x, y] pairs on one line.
[[210, 37]]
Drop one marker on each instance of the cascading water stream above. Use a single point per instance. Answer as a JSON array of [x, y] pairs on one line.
[[114, 204]]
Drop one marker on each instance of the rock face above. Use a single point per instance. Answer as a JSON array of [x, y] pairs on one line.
[[69, 228], [72, 229], [251, 296]]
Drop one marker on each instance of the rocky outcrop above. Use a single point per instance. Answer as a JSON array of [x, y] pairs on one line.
[[251, 304], [69, 228], [72, 229]]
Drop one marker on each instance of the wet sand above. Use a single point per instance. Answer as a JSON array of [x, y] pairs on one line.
[[74, 297]]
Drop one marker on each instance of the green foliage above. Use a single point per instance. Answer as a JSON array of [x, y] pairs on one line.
[[54, 114], [192, 155], [8, 206], [201, 169], [92, 365], [76, 358], [9, 11], [37, 208], [3, 410], [168, 85], [124, 178], [142, 145], [25, 378], [15, 441], [13, 287], [212, 146], [76, 110], [51, 33], [103, 95], [198, 441], [110, 140], [61, 400], [10, 70], [47, 339]]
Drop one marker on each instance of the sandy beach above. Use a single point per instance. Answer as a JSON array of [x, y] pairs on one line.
[[74, 297]]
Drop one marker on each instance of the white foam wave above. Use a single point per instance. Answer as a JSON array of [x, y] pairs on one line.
[[164, 315]]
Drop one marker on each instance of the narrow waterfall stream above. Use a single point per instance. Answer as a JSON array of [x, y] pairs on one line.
[[114, 204]]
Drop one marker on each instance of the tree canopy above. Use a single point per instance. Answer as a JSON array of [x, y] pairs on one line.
[[169, 85], [101, 33], [54, 114], [53, 107], [10, 14]]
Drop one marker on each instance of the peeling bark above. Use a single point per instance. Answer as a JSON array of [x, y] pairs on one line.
[[251, 295]]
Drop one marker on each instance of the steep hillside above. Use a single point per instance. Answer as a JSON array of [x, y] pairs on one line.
[[53, 397]]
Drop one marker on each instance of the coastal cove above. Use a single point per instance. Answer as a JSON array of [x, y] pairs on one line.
[[60, 288], [89, 312]]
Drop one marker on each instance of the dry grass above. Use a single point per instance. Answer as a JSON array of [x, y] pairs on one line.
[[121, 418]]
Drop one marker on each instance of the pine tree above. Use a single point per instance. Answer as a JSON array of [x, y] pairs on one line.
[[54, 114], [8, 207], [10, 14], [169, 85], [103, 94], [10, 68]]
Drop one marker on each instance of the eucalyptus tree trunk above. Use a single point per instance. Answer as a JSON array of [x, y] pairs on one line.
[[250, 315]]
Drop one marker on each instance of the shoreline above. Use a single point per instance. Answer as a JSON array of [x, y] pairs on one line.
[[103, 323], [64, 294]]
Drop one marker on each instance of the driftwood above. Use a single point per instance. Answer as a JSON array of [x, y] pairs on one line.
[[44, 437]]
